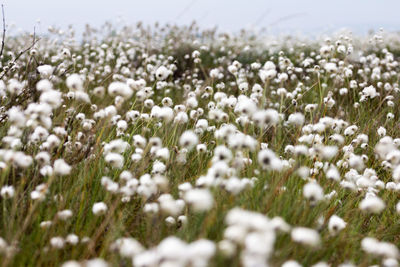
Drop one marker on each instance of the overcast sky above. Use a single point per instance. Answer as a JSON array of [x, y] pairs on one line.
[[279, 16]]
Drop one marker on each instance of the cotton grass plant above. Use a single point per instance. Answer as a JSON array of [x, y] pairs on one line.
[[175, 146]]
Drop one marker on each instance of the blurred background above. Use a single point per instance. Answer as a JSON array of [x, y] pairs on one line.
[[278, 17]]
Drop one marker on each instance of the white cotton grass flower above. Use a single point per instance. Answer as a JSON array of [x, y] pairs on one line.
[[155, 142], [7, 191], [330, 67], [246, 106], [201, 251], [109, 184], [136, 157], [170, 206], [333, 174], [126, 175], [369, 92], [233, 69], [165, 114], [188, 140], [75, 82], [291, 263], [267, 117], [214, 73], [381, 131], [202, 124], [163, 153], [81, 96], [147, 258], [257, 246], [21, 160], [46, 170], [16, 116], [244, 86], [3, 245], [96, 262], [51, 97], [235, 233], [266, 75], [64, 214], [172, 249], [310, 108], [313, 192], [99, 208], [122, 125], [71, 263], [306, 236], [162, 73], [57, 242], [227, 248], [182, 221], [222, 153], [61, 168], [235, 185], [336, 224], [192, 102], [151, 208], [120, 89], [390, 262], [372, 204], [72, 239], [85, 240], [45, 71], [268, 160], [328, 152], [199, 200], [384, 146], [40, 192], [15, 87], [321, 264], [115, 160], [127, 247], [356, 162], [375, 247], [296, 119], [181, 118], [393, 158], [279, 224], [139, 141], [116, 146], [52, 141], [170, 221]]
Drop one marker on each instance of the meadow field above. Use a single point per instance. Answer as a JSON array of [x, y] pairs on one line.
[[179, 146]]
